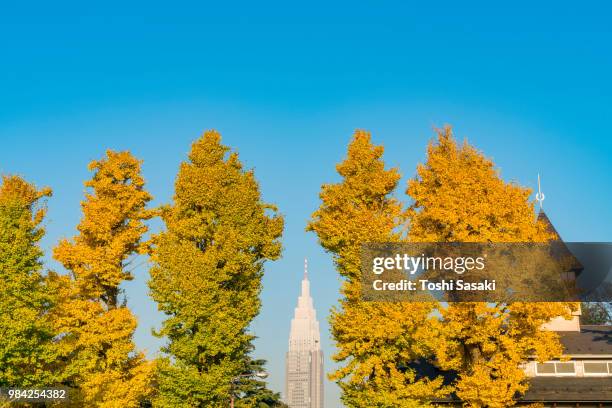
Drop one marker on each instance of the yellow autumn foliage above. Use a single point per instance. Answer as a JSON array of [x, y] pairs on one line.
[[96, 327], [376, 342], [458, 196], [387, 350]]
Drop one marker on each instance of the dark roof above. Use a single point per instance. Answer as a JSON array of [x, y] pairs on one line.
[[589, 340], [569, 389], [559, 250], [543, 218]]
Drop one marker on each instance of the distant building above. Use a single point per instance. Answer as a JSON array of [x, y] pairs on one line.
[[304, 367], [582, 380], [585, 379]]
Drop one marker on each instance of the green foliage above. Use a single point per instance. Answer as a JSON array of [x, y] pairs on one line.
[[207, 272], [26, 349], [596, 313], [250, 391]]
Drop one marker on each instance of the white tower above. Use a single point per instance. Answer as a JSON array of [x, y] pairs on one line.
[[304, 375]]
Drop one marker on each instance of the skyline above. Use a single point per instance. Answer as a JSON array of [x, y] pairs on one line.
[[529, 88]]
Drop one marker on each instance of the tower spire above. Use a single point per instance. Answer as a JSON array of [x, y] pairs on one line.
[[540, 195], [304, 364]]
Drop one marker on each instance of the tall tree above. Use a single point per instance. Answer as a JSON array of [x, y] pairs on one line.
[[458, 196], [206, 278], [96, 326], [377, 342], [26, 349]]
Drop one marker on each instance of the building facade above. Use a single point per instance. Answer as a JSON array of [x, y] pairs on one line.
[[584, 378], [304, 365]]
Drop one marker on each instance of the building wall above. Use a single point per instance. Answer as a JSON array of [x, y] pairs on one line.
[[578, 362], [304, 379], [316, 379], [562, 324]]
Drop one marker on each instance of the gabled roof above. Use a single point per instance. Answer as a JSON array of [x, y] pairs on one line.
[[569, 389], [589, 340], [560, 250], [543, 218]]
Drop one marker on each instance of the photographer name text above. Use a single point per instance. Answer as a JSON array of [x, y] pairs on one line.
[[427, 285]]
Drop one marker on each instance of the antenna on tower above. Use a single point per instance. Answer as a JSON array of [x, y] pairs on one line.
[[540, 195], [305, 268]]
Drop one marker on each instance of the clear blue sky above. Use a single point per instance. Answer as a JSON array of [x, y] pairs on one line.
[[286, 85]]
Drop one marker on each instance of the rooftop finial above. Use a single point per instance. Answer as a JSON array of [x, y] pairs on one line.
[[305, 268], [540, 195]]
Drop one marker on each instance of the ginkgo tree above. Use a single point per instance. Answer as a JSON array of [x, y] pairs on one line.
[[27, 353], [376, 342], [206, 278], [94, 324], [459, 196], [456, 196]]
